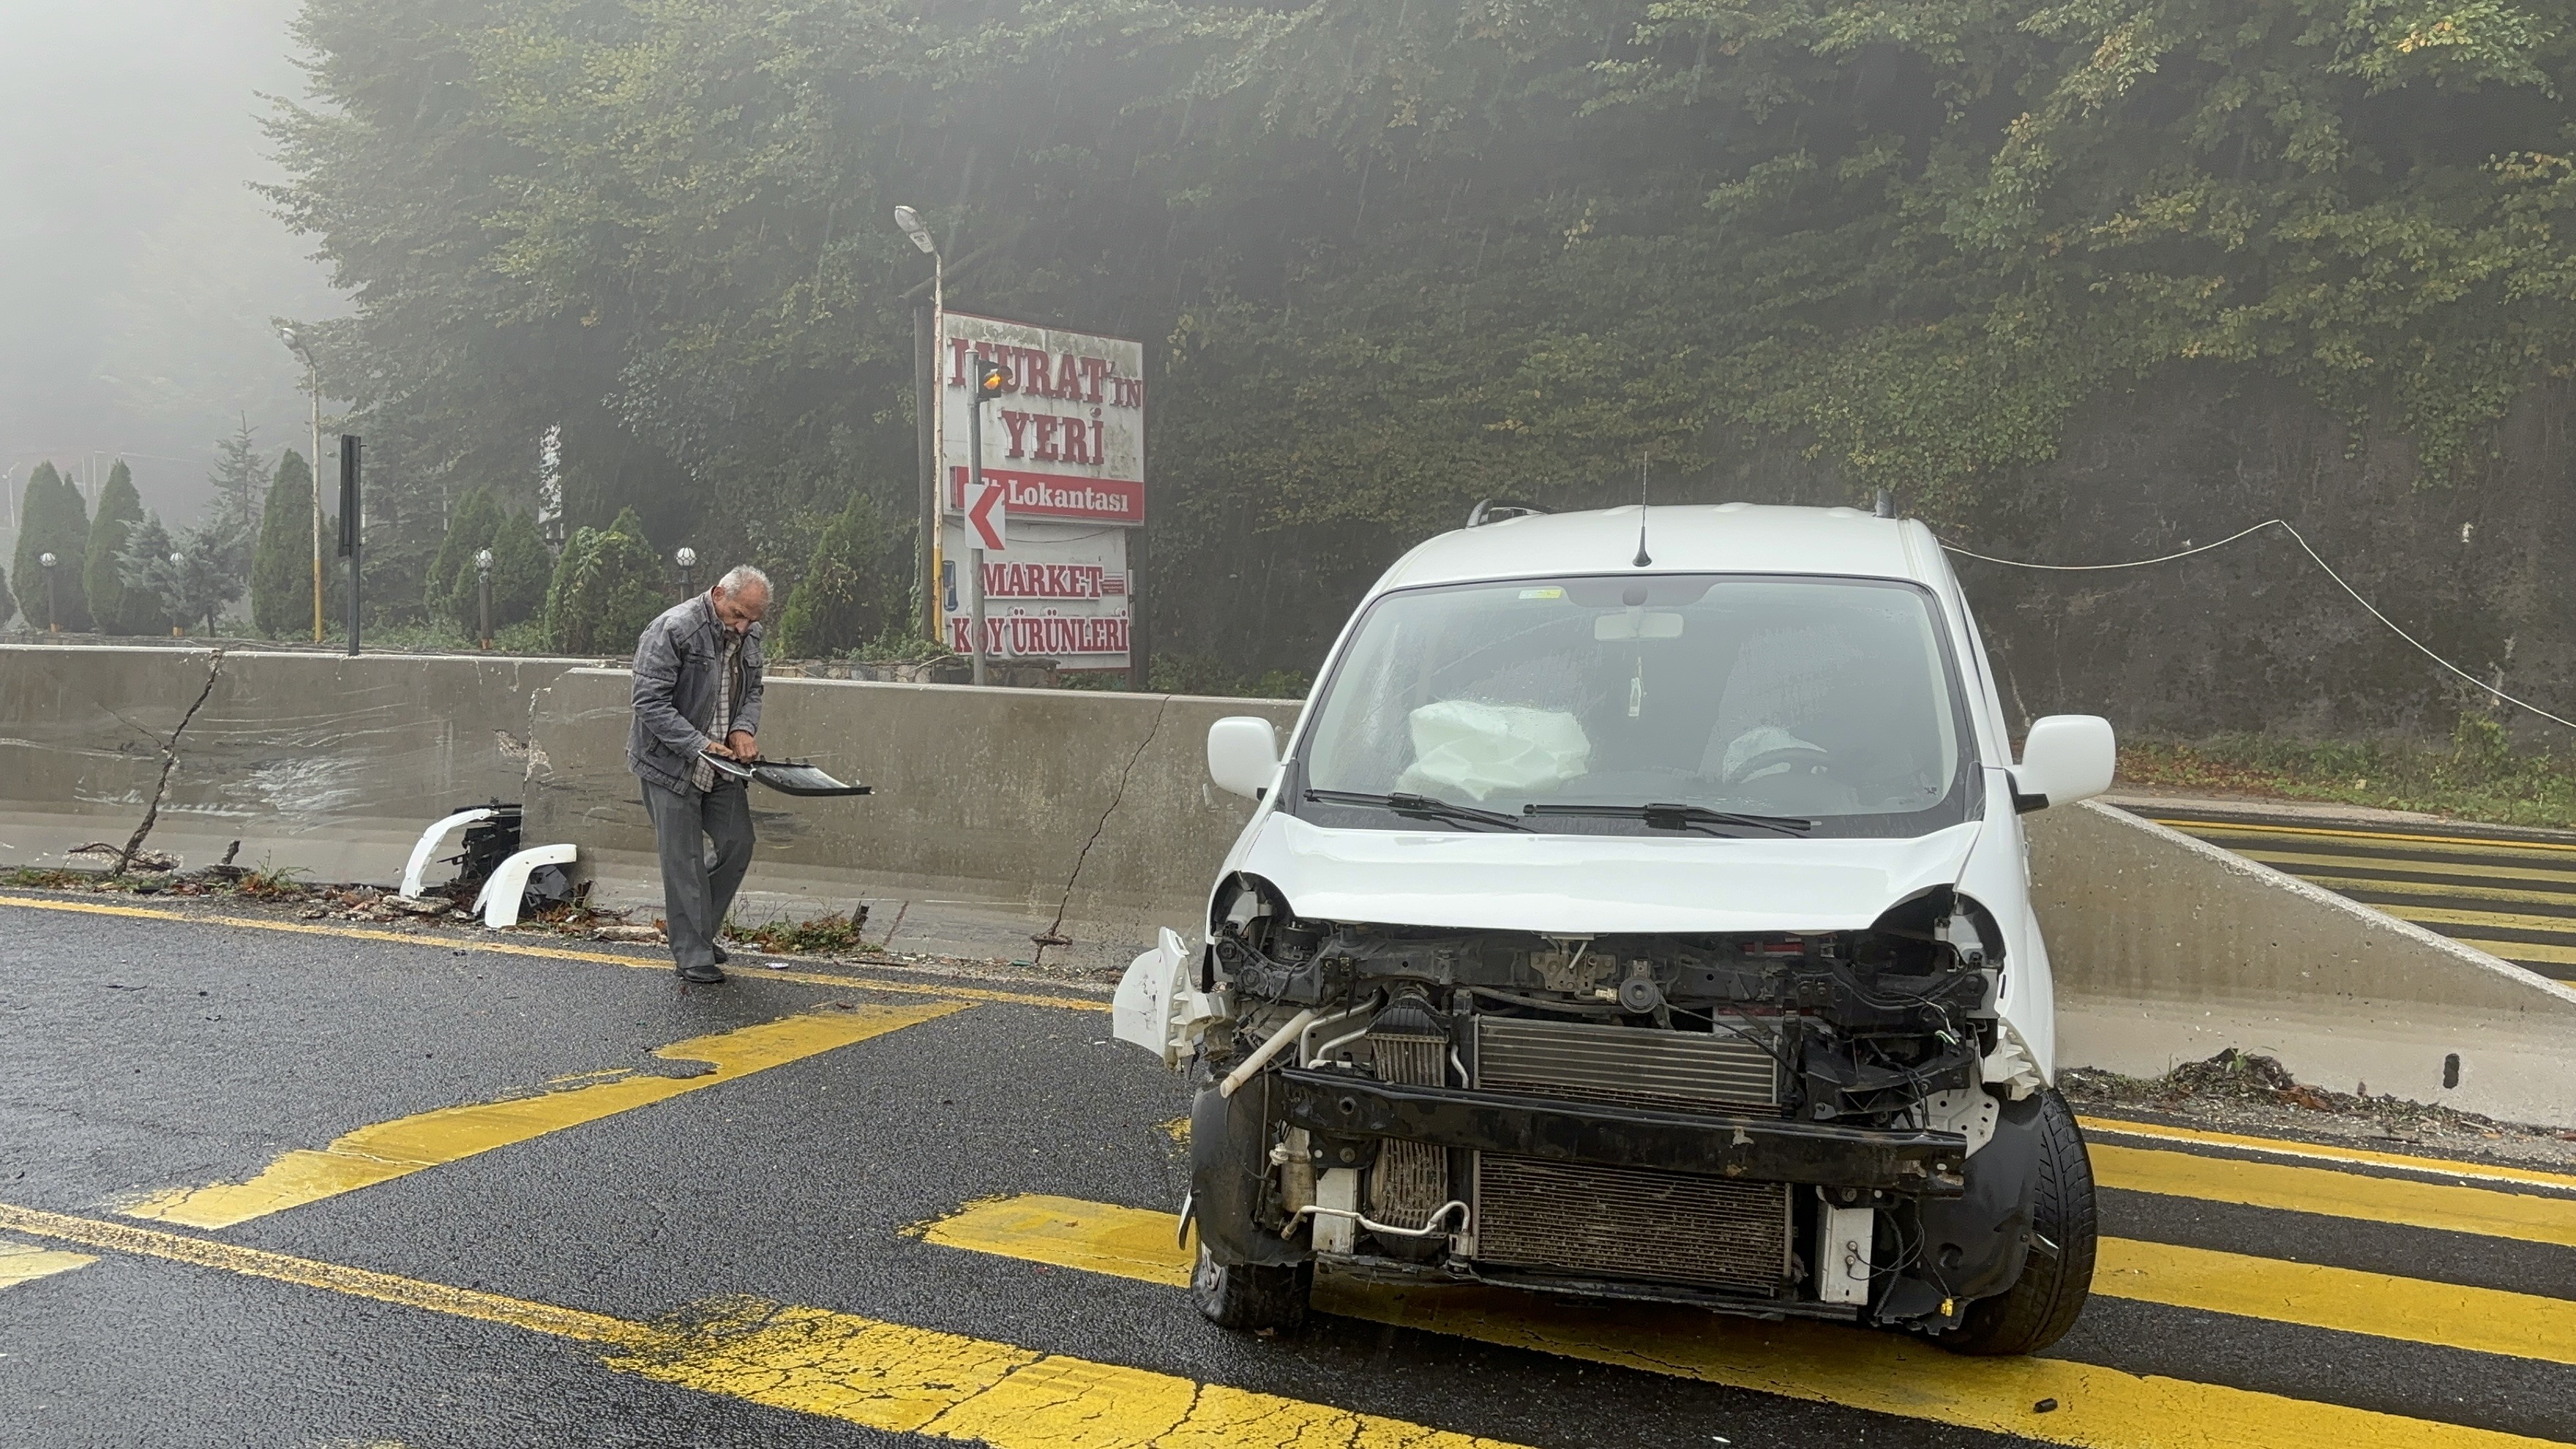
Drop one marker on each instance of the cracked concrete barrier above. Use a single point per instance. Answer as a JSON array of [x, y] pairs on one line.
[[319, 762], [1089, 810], [2168, 949]]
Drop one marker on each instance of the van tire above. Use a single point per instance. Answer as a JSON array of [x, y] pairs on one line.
[[2058, 1275], [1251, 1297]]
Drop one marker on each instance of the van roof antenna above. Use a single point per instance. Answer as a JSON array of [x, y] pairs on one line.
[[1643, 558]]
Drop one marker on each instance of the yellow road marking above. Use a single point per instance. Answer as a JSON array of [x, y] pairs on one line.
[[2285, 1188], [2524, 950], [2446, 891], [1067, 1232], [2300, 864], [2481, 1320], [2098, 1407], [841, 1366], [2443, 916], [2323, 1152], [2500, 847], [26, 1262], [552, 953], [387, 1150]]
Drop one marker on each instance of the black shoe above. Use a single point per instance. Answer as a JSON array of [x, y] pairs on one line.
[[702, 975], [723, 956]]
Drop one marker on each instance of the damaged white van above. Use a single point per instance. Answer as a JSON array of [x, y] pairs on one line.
[[1639, 911]]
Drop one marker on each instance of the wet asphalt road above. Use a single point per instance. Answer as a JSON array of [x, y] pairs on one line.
[[147, 1055]]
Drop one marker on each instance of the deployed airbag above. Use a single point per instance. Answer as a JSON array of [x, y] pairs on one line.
[[1462, 747]]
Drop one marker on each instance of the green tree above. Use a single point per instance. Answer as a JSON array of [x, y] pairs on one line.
[[52, 519], [147, 581], [448, 590], [606, 588], [113, 608], [281, 576], [851, 591], [521, 570]]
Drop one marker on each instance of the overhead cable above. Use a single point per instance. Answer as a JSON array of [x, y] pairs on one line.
[[2318, 559]]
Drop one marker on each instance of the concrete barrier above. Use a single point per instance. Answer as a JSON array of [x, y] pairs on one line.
[[320, 762], [1091, 809], [1092, 813], [2168, 949]]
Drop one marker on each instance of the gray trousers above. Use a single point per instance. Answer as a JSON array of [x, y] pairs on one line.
[[698, 890]]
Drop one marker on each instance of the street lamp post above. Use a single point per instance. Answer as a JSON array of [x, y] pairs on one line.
[[687, 559], [53, 623], [934, 442], [179, 576], [312, 384], [483, 572]]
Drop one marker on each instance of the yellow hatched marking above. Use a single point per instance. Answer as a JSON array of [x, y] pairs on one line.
[[2324, 1152], [841, 1366], [2524, 950], [554, 953], [2481, 1320], [2521, 1216], [2298, 864], [2097, 1407], [2444, 844], [387, 1150], [2441, 916], [2448, 892], [27, 1262]]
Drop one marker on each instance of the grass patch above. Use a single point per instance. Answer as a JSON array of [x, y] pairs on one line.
[[38, 878], [2480, 777], [273, 883], [832, 935]]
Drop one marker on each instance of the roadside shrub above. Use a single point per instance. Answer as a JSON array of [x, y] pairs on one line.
[[606, 588], [52, 519], [114, 606], [846, 596]]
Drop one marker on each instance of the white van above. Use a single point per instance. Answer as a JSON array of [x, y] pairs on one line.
[[1640, 911]]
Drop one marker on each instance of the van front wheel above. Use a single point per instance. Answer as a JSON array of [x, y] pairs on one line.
[[1251, 1298], [2042, 1304]]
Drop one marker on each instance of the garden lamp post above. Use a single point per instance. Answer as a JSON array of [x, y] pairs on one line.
[[687, 559], [179, 573], [483, 574], [52, 626], [929, 346], [313, 384]]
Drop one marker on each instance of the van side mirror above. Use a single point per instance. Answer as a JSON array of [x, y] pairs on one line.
[[2068, 757], [1243, 754]]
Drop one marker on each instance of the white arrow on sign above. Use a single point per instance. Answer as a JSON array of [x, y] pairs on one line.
[[989, 519]]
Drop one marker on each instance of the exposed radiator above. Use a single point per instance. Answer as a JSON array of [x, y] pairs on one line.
[[1411, 1179], [1686, 1070], [1631, 1223], [1625, 1222]]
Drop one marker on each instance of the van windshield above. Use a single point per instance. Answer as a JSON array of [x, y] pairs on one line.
[[1823, 706]]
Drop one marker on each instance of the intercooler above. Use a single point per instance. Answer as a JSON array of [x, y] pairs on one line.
[[1631, 1223]]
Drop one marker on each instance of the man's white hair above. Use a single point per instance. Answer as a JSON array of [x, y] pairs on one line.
[[739, 575]]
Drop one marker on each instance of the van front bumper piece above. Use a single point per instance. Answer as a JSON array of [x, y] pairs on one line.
[[1332, 1104]]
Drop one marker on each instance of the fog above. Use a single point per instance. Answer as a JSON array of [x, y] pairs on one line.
[[138, 271]]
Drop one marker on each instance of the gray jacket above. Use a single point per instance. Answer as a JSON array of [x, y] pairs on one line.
[[676, 660]]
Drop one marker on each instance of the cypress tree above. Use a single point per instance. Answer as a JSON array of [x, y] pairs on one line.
[[281, 572], [52, 520], [114, 608], [449, 590], [842, 600], [521, 568], [606, 588]]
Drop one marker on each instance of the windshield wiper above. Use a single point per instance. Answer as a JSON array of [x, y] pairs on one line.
[[1419, 806], [1677, 817]]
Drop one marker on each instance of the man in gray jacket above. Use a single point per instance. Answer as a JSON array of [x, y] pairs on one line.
[[697, 700]]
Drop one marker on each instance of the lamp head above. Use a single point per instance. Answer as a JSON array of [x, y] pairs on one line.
[[178, 560], [46, 559], [483, 559], [686, 558], [910, 221]]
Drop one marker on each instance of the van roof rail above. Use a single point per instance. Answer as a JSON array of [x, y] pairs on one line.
[[1495, 510]]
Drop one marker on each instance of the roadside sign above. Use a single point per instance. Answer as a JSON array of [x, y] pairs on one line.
[[990, 519]]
